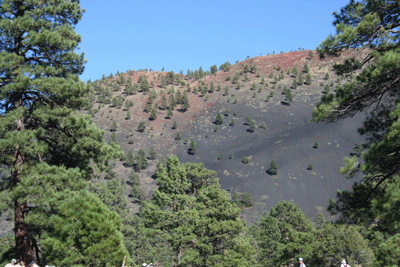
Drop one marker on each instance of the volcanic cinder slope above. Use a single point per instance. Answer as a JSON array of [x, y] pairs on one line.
[[288, 137]]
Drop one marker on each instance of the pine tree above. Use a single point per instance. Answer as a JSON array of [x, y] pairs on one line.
[[141, 160], [185, 101], [164, 103], [232, 121], [227, 112], [128, 115], [152, 153], [253, 126], [113, 127], [178, 136], [219, 120], [99, 230], [212, 88], [301, 79], [273, 168], [141, 126], [170, 113], [288, 96], [175, 125], [130, 159], [172, 101], [262, 80], [193, 148], [189, 205], [40, 92], [306, 69], [327, 76], [294, 84], [294, 71], [153, 115], [310, 55], [308, 79], [178, 97]]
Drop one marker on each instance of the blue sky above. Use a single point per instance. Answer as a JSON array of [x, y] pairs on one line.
[[181, 35]]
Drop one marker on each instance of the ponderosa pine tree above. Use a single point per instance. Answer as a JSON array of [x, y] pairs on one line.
[[152, 153], [219, 120], [45, 144], [196, 217], [81, 228], [193, 148], [372, 202]]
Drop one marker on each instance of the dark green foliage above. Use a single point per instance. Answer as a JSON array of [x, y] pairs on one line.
[[285, 235], [310, 167], [141, 160], [308, 79], [273, 168], [128, 104], [327, 89], [316, 145], [130, 159], [246, 160], [169, 112], [148, 107], [231, 156], [227, 112], [175, 125], [262, 80], [214, 69], [310, 55], [336, 242], [220, 157], [301, 79], [193, 148], [117, 101], [153, 114], [370, 203], [142, 126], [327, 76], [235, 101], [294, 71], [232, 122], [248, 120], [172, 101], [69, 243], [246, 68], [152, 153], [212, 88], [189, 205], [134, 181], [178, 136], [288, 96], [271, 94], [144, 83], [128, 115], [114, 138], [110, 174], [242, 200], [228, 78], [113, 126], [253, 86], [164, 103], [252, 125], [306, 69], [219, 120]]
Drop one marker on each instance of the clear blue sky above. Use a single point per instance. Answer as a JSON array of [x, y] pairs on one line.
[[181, 35]]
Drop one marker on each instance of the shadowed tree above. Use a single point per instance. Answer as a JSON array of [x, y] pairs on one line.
[[46, 146], [372, 26]]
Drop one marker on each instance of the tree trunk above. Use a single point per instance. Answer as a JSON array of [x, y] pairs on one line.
[[22, 234]]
